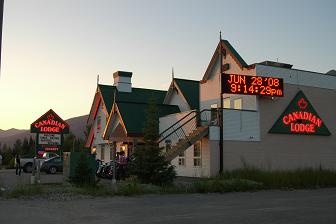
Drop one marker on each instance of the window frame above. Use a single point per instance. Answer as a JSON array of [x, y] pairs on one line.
[[197, 159]]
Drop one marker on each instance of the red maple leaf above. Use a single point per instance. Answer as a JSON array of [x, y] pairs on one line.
[[50, 117], [302, 103]]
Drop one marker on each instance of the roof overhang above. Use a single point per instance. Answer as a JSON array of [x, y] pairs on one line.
[[115, 127]]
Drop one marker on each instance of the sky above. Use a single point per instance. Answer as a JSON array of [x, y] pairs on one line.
[[52, 51]]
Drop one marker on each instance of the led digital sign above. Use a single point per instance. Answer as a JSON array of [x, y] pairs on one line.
[[252, 85]]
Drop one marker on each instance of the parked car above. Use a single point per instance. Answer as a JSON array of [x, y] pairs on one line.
[[53, 165], [27, 162]]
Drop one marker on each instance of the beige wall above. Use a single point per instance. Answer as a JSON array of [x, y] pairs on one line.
[[189, 170], [286, 151]]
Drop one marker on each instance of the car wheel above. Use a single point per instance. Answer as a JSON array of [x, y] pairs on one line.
[[52, 170], [28, 168]]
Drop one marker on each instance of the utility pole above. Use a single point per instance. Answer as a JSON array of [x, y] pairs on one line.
[[221, 106], [1, 22]]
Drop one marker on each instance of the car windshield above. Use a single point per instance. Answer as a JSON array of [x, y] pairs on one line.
[[53, 158]]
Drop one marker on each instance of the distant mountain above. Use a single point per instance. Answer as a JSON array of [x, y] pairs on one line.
[[77, 127], [10, 132]]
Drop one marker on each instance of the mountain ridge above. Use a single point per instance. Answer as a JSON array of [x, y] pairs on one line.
[[77, 127]]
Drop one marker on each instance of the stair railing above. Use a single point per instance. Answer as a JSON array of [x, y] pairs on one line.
[[181, 129]]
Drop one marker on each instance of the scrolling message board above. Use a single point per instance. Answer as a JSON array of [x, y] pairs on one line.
[[252, 85]]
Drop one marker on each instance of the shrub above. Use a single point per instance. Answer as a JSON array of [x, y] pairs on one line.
[[149, 165], [83, 173]]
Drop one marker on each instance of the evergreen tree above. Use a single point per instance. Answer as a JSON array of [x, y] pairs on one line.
[[31, 145], [69, 142], [150, 165], [84, 175], [18, 147], [25, 147]]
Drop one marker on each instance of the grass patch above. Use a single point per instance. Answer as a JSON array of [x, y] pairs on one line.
[[221, 186], [296, 179], [123, 189], [25, 191], [97, 191]]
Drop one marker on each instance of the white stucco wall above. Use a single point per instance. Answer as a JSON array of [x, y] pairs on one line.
[[189, 170], [298, 77], [98, 140], [241, 125], [177, 99]]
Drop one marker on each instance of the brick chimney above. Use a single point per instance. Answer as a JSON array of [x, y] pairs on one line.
[[122, 80]]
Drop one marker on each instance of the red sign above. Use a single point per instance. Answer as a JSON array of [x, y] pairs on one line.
[[50, 122], [300, 118], [252, 85]]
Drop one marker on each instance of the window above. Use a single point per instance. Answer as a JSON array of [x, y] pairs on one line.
[[94, 150], [99, 122], [197, 154], [238, 104], [181, 159], [102, 152], [226, 103], [168, 144], [214, 114]]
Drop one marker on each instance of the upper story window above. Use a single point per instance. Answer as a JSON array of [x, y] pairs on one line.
[[238, 104], [226, 103]]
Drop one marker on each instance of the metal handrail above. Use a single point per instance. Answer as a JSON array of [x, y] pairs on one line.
[[172, 126], [197, 115]]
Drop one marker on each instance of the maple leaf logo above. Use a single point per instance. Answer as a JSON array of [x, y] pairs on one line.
[[302, 103], [50, 117]]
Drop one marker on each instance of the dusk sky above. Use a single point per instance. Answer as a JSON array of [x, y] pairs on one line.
[[53, 50]]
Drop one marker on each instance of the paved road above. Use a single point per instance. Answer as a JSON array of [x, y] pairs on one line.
[[306, 206], [8, 178]]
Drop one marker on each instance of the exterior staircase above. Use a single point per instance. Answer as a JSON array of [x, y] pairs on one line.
[[186, 132], [185, 143]]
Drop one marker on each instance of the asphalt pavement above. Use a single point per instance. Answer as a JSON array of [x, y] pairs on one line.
[[302, 206], [8, 179]]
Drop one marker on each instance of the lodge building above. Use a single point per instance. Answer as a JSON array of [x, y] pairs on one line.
[[266, 115]]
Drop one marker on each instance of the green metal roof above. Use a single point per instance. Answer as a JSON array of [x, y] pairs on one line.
[[190, 90], [134, 115], [235, 53], [137, 95]]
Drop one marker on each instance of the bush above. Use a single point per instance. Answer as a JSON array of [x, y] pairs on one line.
[[301, 178], [83, 173], [149, 165]]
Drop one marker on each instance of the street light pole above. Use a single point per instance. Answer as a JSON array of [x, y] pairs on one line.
[[114, 180]]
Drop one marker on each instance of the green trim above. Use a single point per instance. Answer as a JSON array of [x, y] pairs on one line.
[[134, 115], [138, 95], [190, 90], [302, 108], [235, 53]]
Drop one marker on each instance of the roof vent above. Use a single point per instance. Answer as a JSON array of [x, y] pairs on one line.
[[276, 64], [122, 80]]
